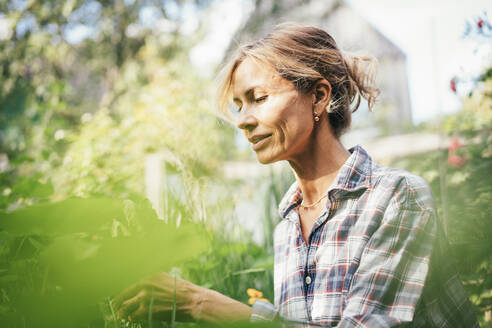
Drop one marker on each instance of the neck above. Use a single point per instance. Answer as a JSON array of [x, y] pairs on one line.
[[318, 165]]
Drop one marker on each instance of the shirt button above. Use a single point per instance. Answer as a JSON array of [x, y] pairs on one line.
[[308, 280]]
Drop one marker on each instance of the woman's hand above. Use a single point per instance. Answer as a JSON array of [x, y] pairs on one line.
[[157, 298], [160, 295]]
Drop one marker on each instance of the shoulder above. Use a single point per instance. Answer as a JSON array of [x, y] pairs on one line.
[[405, 189], [405, 203]]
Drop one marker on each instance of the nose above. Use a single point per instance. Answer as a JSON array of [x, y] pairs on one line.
[[247, 121]]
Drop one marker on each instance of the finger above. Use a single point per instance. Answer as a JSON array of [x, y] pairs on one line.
[[130, 305], [142, 312], [125, 295], [161, 280], [167, 284], [160, 311]]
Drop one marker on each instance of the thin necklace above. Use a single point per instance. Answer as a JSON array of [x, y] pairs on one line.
[[315, 203]]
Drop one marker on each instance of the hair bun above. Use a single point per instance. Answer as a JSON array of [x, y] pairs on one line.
[[362, 73]]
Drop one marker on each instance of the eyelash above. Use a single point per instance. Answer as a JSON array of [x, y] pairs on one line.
[[257, 100], [260, 99]]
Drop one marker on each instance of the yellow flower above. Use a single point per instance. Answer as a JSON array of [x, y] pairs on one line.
[[255, 295]]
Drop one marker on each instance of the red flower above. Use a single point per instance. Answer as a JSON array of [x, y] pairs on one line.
[[452, 85], [480, 23], [456, 160], [454, 145]]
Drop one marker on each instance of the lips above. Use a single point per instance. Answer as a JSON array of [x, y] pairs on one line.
[[259, 140]]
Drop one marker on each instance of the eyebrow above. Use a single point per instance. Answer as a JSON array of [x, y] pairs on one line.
[[248, 93]]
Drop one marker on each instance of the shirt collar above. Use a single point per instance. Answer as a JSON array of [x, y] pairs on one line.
[[355, 174]]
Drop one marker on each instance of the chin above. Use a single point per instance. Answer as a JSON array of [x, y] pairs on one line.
[[266, 158], [264, 161]]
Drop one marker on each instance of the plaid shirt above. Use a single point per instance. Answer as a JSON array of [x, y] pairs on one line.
[[375, 258]]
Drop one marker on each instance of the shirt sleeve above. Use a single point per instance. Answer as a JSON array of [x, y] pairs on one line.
[[389, 280], [263, 311]]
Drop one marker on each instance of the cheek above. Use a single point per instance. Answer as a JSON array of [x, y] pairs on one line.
[[297, 132], [290, 134], [290, 119], [296, 124], [283, 130]]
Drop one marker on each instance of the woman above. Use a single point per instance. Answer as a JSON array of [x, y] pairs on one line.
[[359, 244]]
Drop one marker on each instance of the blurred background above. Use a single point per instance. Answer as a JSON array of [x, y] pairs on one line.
[[108, 125]]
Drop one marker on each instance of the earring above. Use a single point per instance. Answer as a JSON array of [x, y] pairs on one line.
[[316, 117]]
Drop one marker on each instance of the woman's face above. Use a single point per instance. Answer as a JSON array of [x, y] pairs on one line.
[[275, 117]]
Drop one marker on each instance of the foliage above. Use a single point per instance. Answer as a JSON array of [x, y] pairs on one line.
[[232, 267], [275, 187], [59, 260], [122, 70], [78, 120], [463, 188], [169, 114]]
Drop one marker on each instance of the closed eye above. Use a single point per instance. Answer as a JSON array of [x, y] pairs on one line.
[[260, 99]]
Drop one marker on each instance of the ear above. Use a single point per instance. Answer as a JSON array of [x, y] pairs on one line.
[[321, 95]]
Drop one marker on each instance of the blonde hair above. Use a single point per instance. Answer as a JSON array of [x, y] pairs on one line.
[[305, 55]]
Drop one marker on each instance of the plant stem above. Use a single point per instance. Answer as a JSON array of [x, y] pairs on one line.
[[173, 318]]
